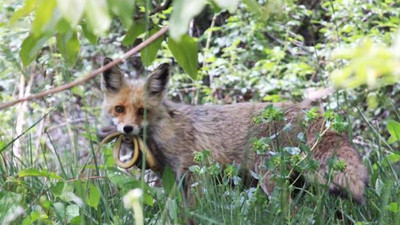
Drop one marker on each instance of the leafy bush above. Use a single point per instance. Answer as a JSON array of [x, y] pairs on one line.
[[232, 51]]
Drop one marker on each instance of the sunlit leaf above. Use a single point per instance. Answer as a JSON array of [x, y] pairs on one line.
[[370, 63], [68, 44], [43, 16], [97, 14], [393, 207], [124, 9], [149, 53], [72, 211], [137, 28], [372, 101], [148, 199], [72, 10], [28, 7], [394, 130], [230, 5], [183, 12], [31, 173], [30, 48], [391, 159], [37, 173], [185, 53]]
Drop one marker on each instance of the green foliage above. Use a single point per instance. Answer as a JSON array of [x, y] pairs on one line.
[[68, 44], [183, 13], [30, 48], [185, 53], [263, 51], [371, 64], [137, 28], [394, 130], [93, 19], [149, 53], [270, 113], [312, 114]]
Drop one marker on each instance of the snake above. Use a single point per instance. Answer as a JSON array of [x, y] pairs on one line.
[[138, 146]]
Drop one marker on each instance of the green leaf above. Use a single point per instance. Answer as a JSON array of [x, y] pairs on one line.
[[32, 173], [394, 130], [372, 101], [30, 48], [393, 207], [149, 53], [59, 208], [185, 52], [183, 12], [94, 196], [168, 180], [57, 189], [137, 28], [28, 7], [230, 5], [148, 199], [123, 9], [254, 7], [72, 211], [43, 16], [37, 173], [71, 10], [2, 145], [68, 44], [77, 221], [393, 158], [89, 34], [11, 58], [97, 15]]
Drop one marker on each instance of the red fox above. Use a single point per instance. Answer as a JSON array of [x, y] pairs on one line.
[[175, 131]]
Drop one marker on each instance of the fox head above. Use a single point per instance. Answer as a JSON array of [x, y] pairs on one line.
[[125, 101]]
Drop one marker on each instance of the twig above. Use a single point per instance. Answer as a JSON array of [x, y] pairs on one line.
[[86, 179], [23, 91], [90, 75], [156, 10]]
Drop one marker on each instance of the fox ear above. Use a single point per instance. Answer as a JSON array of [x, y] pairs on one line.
[[112, 79], [157, 82]]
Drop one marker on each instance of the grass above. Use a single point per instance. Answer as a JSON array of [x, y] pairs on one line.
[[50, 185]]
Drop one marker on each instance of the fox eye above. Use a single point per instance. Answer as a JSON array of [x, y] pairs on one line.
[[119, 109], [141, 112]]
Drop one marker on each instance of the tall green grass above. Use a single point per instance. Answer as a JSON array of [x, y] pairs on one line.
[[49, 185]]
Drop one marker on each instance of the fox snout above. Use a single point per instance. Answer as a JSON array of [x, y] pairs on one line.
[[128, 129]]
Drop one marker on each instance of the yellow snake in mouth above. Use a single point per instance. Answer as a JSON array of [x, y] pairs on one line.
[[138, 146]]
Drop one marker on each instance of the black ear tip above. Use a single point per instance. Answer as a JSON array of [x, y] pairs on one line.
[[107, 61], [163, 66]]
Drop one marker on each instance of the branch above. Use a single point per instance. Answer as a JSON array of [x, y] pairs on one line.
[[158, 9], [90, 75]]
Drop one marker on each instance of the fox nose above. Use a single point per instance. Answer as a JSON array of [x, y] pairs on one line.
[[128, 129]]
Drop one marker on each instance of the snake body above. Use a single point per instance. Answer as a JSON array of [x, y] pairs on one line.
[[138, 146]]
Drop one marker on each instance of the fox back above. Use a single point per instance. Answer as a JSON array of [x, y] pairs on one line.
[[175, 131]]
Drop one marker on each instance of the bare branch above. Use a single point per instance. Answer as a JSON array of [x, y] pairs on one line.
[[90, 75]]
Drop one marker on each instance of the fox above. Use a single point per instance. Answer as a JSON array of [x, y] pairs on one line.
[[175, 131]]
